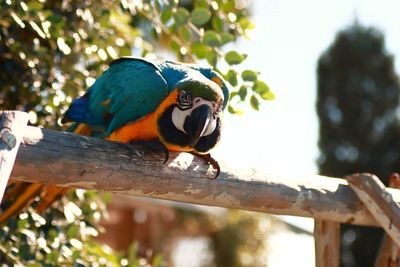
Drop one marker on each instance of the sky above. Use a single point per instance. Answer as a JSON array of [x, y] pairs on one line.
[[282, 137]]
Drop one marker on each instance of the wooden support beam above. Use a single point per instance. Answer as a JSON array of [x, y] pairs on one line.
[[327, 243], [70, 160], [388, 254], [380, 203], [12, 124]]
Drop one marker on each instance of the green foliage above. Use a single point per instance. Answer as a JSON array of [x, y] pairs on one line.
[[51, 52], [242, 92], [211, 38], [239, 237], [254, 102], [200, 16], [358, 99], [181, 16], [200, 31], [262, 89], [249, 75], [234, 58], [61, 236]]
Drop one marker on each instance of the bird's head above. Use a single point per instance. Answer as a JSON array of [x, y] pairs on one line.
[[193, 120]]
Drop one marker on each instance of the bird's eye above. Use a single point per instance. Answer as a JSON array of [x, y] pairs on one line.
[[185, 99], [218, 110]]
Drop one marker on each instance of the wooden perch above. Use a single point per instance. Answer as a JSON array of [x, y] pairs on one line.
[[12, 124], [373, 193], [70, 160]]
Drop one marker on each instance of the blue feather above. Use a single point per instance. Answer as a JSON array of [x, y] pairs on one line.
[[79, 111]]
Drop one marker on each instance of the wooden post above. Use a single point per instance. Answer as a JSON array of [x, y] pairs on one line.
[[327, 243], [12, 125], [388, 254], [379, 202]]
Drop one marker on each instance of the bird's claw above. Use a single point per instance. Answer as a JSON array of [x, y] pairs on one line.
[[210, 161]]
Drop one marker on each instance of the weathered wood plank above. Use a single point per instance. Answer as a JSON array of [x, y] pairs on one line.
[[327, 243], [12, 124], [71, 160], [376, 198]]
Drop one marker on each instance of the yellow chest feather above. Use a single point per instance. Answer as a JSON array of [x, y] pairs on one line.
[[146, 128]]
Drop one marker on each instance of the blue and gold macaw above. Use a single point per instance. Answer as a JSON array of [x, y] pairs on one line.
[[177, 106]]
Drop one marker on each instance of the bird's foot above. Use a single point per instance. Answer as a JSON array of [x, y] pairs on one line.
[[210, 161], [154, 146]]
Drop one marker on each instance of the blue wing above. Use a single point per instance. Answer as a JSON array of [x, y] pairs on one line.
[[128, 80]]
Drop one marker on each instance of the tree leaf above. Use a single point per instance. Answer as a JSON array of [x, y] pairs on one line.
[[234, 58], [242, 92], [226, 38], [254, 102], [260, 87], [268, 95], [200, 16], [211, 38], [212, 58], [217, 23], [184, 33], [199, 49], [181, 16], [166, 15], [231, 77], [246, 24], [249, 75], [234, 111]]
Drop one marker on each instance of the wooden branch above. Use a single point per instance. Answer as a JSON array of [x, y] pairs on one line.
[[71, 160], [327, 243], [12, 124], [372, 192]]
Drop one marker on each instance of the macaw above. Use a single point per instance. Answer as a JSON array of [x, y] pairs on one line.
[[176, 106]]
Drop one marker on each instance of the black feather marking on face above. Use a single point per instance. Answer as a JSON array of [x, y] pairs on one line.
[[207, 142], [168, 130], [172, 135]]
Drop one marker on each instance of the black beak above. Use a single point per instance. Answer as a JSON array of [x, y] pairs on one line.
[[197, 122]]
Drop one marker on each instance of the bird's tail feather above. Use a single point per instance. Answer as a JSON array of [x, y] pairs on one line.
[[22, 200]]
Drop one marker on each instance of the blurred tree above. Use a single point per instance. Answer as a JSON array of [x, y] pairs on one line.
[[239, 238], [358, 98], [51, 51]]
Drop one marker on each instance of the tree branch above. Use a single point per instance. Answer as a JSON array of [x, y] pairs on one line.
[[70, 160]]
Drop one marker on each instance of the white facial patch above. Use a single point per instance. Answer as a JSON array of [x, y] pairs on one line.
[[179, 116]]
